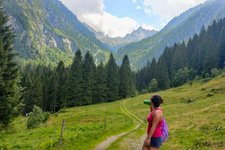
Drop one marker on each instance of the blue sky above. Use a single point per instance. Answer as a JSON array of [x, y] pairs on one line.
[[133, 9], [120, 17]]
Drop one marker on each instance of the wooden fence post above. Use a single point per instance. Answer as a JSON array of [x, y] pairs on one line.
[[105, 124], [61, 135]]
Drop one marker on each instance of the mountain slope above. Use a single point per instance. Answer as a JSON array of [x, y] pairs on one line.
[[179, 29], [115, 43], [46, 31]]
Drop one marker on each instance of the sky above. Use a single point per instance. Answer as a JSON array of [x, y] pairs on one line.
[[116, 18]]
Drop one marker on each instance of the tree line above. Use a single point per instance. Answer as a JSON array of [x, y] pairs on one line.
[[82, 83], [201, 56]]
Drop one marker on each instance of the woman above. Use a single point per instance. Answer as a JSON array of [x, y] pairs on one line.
[[153, 140]]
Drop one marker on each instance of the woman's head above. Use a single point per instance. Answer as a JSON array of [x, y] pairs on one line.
[[156, 100]]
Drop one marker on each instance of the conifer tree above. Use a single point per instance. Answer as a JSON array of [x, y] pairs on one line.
[[9, 82], [112, 79], [74, 92], [222, 49], [88, 79], [162, 74], [61, 76], [100, 88], [126, 88]]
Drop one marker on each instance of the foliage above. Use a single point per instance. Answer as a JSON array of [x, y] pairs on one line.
[[153, 86], [37, 117], [126, 87], [182, 63], [9, 78]]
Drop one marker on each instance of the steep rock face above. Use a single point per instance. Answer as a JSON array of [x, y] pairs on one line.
[[179, 29], [47, 32]]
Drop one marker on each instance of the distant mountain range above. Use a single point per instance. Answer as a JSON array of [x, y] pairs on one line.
[[47, 32], [115, 43], [179, 29]]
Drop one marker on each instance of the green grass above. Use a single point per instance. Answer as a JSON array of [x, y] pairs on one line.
[[195, 116], [85, 126]]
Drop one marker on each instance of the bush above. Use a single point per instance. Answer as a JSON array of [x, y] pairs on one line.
[[153, 86], [37, 117]]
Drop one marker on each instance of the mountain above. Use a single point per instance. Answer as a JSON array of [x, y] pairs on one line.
[[179, 29], [47, 32], [115, 43]]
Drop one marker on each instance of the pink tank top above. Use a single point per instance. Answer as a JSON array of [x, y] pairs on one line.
[[157, 132]]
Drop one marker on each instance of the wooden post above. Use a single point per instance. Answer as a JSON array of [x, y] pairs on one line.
[[105, 124], [61, 135]]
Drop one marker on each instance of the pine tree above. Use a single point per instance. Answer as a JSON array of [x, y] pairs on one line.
[[88, 79], [52, 100], [74, 93], [162, 74], [179, 58], [152, 70], [211, 56], [100, 90], [126, 88], [112, 79], [222, 49], [9, 82], [61, 76]]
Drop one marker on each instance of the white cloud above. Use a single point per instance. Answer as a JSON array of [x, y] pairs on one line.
[[111, 25], [147, 27], [134, 1], [138, 7], [92, 13], [167, 9]]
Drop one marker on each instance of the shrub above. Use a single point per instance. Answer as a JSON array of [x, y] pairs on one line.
[[153, 86], [37, 117]]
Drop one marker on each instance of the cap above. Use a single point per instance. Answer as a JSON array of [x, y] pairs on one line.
[[147, 101]]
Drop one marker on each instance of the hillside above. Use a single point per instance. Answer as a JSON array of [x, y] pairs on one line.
[[115, 43], [194, 112], [47, 32], [179, 29]]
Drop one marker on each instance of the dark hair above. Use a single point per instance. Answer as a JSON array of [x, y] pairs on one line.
[[156, 100]]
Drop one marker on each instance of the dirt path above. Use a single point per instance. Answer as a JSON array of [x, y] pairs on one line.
[[105, 144]]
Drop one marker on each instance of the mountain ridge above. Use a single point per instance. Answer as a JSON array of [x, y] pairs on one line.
[[179, 29], [47, 32], [115, 43]]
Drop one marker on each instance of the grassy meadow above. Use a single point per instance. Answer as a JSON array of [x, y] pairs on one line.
[[195, 115]]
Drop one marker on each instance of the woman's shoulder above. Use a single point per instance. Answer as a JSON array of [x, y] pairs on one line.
[[158, 111]]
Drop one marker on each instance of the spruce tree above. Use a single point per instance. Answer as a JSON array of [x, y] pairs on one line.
[[112, 79], [162, 74], [88, 79], [126, 88], [211, 56], [100, 90], [9, 82], [52, 100], [152, 70], [179, 58], [61, 76], [222, 49], [74, 92]]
